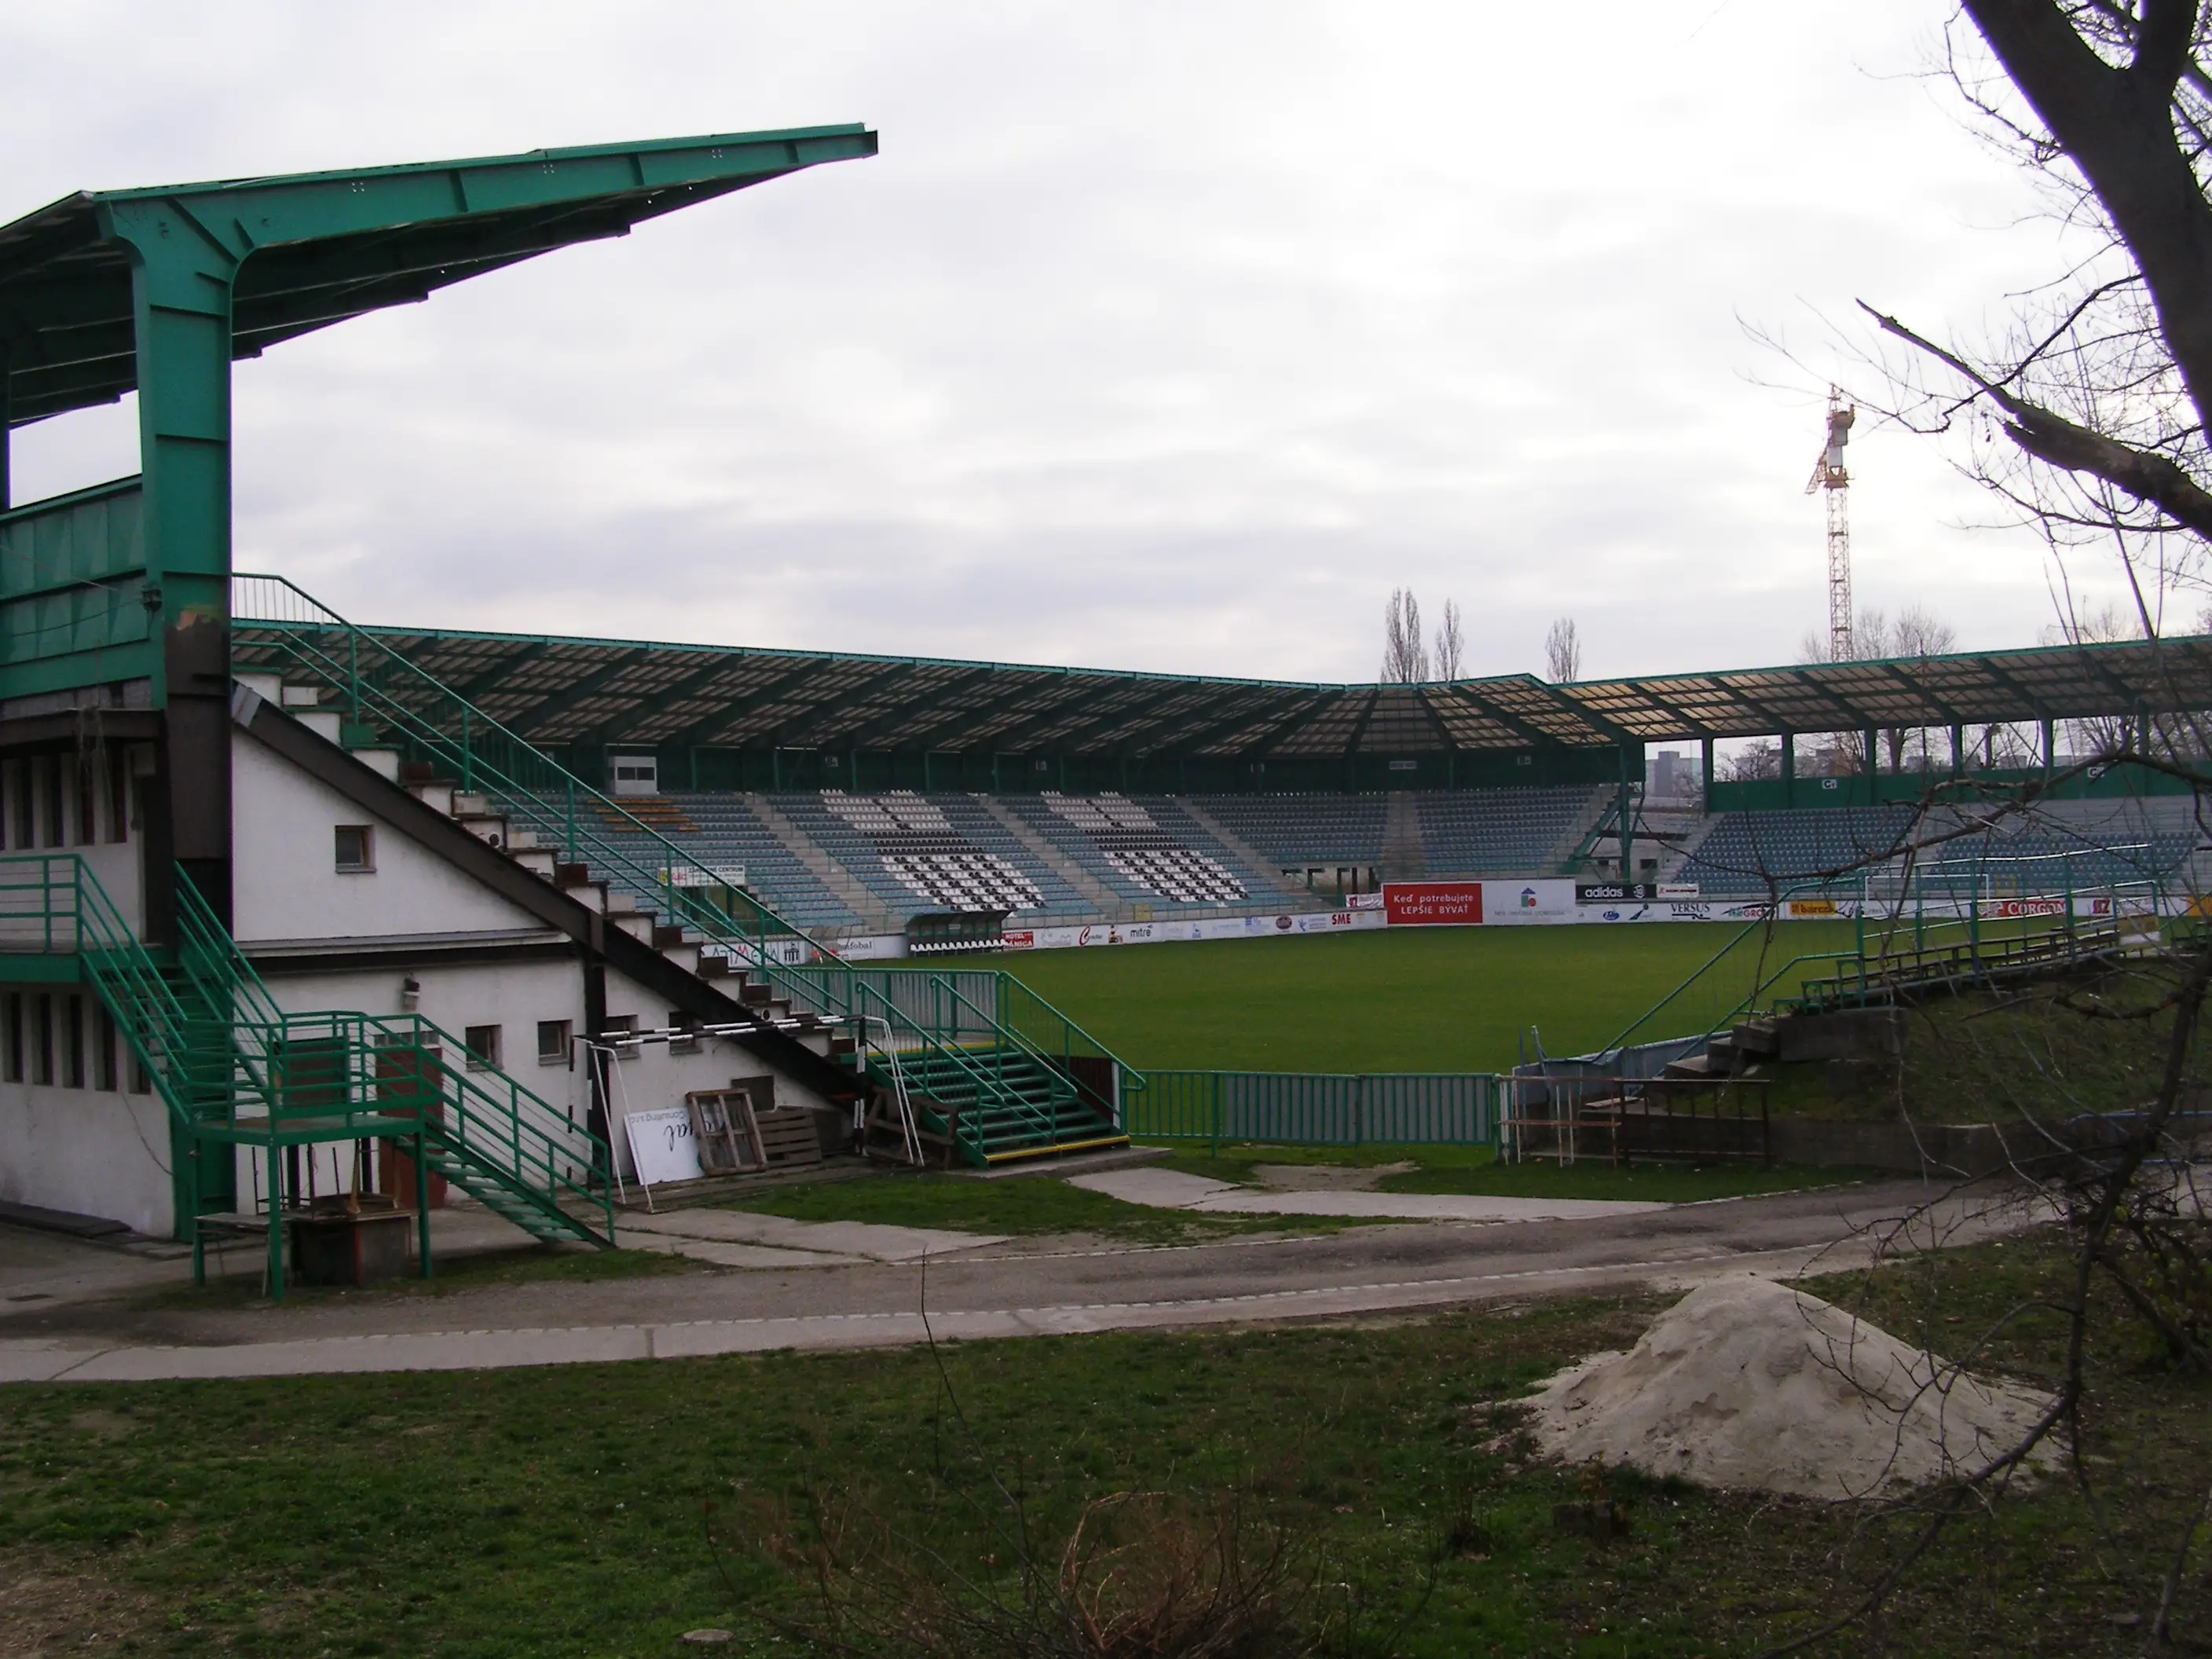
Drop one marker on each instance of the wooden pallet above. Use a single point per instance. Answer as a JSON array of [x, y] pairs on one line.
[[788, 1139], [723, 1129]]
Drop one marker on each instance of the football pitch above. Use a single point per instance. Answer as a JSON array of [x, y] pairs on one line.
[[1425, 999]]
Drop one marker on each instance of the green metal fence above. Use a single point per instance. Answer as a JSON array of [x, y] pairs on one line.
[[1314, 1109]]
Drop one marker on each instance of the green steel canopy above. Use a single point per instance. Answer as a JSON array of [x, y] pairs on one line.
[[558, 691], [159, 290], [311, 249], [120, 595]]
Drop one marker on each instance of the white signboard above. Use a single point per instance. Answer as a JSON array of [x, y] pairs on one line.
[[1528, 904], [660, 1146]]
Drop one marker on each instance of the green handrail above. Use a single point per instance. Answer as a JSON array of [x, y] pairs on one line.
[[1059, 1088], [519, 778], [210, 954], [349, 1067], [235, 1059]]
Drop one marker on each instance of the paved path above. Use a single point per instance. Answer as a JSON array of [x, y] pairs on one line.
[[770, 1241], [1168, 1190], [1011, 1291]]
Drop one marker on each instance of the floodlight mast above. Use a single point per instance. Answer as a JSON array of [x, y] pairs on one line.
[[1830, 474]]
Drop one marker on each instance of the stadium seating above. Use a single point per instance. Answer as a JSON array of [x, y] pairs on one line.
[[1301, 831], [2057, 847], [912, 853], [721, 832], [1508, 831], [1144, 853], [908, 851]]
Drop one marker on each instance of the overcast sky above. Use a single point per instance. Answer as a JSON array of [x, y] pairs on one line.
[[1168, 335]]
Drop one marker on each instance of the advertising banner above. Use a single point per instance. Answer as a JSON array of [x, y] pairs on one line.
[[1544, 904], [1180, 933], [2003, 908], [1618, 893], [1363, 901], [1810, 909], [661, 1147], [1433, 903]]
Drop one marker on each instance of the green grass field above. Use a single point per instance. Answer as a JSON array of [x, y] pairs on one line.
[[598, 1512], [1426, 999]]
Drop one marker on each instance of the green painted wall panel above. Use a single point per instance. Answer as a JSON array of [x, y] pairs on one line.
[[91, 534], [72, 583]]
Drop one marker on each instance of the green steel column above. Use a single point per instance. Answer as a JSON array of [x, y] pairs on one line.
[[1788, 768], [1705, 773], [422, 1195], [1630, 753], [181, 273], [2049, 746], [276, 1224], [1870, 738], [1958, 749], [6, 382]]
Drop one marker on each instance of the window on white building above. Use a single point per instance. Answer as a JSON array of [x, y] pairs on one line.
[[483, 1042], [356, 849], [552, 1042]]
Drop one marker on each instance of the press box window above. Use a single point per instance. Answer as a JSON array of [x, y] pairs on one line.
[[552, 1042], [482, 1044], [356, 849]]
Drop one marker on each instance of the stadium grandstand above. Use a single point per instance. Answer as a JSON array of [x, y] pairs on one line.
[[291, 907], [855, 794]]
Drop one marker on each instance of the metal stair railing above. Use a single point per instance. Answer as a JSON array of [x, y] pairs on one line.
[[1031, 1118], [53, 904], [982, 1070], [384, 688], [206, 952], [244, 1064], [348, 1068], [1710, 993]]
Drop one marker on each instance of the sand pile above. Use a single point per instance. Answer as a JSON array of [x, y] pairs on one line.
[[1745, 1382]]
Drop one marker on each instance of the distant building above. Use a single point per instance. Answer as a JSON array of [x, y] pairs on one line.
[[1674, 776]]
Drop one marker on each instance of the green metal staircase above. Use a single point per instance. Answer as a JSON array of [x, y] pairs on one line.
[[1002, 1081], [233, 1069]]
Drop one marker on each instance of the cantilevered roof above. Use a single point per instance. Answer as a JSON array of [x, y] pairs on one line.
[[556, 690], [319, 247]]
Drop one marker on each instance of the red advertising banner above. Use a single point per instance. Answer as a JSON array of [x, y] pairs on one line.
[[2009, 908], [1432, 903]]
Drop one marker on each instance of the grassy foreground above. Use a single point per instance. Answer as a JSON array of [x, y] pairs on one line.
[[1408, 1000], [564, 1511]]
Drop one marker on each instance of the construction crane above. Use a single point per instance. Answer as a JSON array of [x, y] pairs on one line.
[[1829, 474]]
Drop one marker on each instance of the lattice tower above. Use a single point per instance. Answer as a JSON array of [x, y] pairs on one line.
[[1830, 474]]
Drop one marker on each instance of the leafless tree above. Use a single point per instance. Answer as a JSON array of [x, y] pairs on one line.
[[1451, 645], [1917, 632], [1563, 652], [1759, 758], [1404, 655], [2084, 414]]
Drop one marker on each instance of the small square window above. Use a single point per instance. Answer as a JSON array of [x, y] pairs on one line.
[[482, 1044], [552, 1042], [356, 849]]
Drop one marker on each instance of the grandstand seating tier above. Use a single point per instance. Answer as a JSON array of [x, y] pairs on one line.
[[913, 853]]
